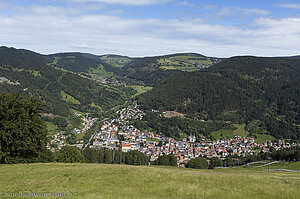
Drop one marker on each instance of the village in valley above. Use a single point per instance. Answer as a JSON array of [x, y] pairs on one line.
[[58, 140], [118, 134]]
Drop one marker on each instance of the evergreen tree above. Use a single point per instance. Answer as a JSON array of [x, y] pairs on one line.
[[108, 156], [90, 155]]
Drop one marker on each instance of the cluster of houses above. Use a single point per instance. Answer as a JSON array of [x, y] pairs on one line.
[[131, 112], [117, 134], [58, 140], [87, 123]]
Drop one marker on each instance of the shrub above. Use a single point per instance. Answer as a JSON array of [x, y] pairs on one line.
[[168, 160], [70, 154], [197, 163]]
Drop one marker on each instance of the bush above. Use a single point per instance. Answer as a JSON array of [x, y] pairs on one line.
[[168, 160], [197, 163], [70, 154], [46, 156]]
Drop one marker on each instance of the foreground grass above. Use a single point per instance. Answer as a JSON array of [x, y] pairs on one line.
[[122, 181], [290, 165], [293, 166]]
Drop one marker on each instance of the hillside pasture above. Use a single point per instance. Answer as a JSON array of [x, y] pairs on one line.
[[91, 181]]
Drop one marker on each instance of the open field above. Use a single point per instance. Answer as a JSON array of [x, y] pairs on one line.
[[262, 138], [188, 62], [100, 72], [140, 89], [290, 165], [228, 133], [68, 98], [117, 61], [52, 128], [224, 133], [293, 166], [179, 68], [122, 181]]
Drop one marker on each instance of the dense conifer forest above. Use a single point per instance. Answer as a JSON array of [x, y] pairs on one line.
[[247, 90]]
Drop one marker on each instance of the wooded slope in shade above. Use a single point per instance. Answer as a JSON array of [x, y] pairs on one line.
[[263, 89]]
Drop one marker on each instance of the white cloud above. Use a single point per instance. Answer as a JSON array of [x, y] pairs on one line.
[[289, 5], [255, 11], [56, 10], [209, 7], [230, 11], [125, 2], [116, 12], [58, 29], [184, 3]]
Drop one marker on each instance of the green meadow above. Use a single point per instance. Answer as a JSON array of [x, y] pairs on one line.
[[261, 138], [92, 181], [278, 165], [186, 62], [230, 133], [68, 98], [140, 89], [117, 61], [52, 128]]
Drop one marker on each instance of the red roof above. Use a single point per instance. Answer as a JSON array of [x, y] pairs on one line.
[[126, 145]]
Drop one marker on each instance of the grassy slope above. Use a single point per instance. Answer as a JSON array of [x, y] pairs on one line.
[[52, 128], [117, 61], [68, 98], [120, 181], [224, 133], [140, 89], [184, 62], [100, 72], [291, 166], [261, 138]]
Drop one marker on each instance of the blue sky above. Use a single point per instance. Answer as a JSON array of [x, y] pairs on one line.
[[221, 28]]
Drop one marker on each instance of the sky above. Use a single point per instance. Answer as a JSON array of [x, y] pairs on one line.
[[138, 28]]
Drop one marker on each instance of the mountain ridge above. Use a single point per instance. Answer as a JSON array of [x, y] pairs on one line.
[[261, 92]]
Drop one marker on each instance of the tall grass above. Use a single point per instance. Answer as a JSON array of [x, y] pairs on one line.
[[122, 181]]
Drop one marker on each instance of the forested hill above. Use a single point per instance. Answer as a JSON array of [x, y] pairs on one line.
[[65, 92], [152, 70], [146, 71], [80, 62], [22, 57], [263, 91]]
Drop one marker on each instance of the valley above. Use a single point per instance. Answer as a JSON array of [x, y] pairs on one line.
[[158, 99], [187, 101]]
